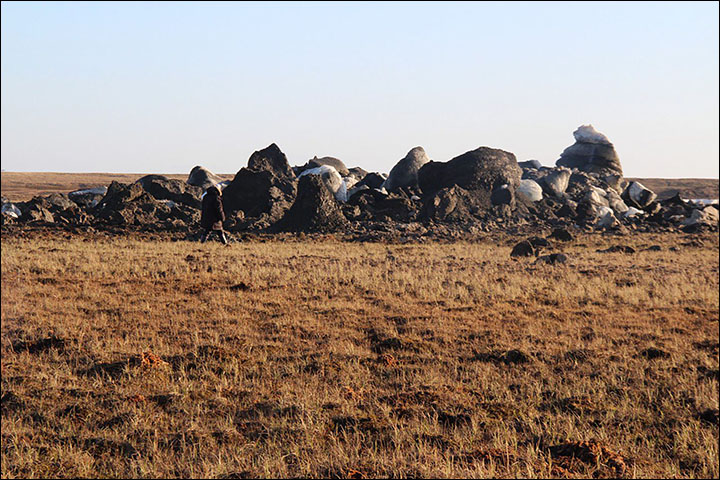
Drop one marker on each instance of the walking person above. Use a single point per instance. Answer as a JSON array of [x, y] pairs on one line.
[[213, 215]]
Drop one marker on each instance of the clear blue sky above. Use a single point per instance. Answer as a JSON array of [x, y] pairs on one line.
[[162, 87]]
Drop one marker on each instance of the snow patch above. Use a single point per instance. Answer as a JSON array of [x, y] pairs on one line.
[[588, 134]]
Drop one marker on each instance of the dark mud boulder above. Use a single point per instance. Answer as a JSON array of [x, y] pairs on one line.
[[586, 212], [36, 213], [375, 205], [543, 211], [580, 183], [358, 173], [270, 159], [131, 205], [336, 163], [488, 173], [675, 200], [539, 243], [177, 191], [332, 180], [566, 210], [371, 180], [562, 235], [59, 201], [616, 182], [552, 259], [396, 208], [701, 217], [202, 177], [405, 172], [523, 249], [503, 195], [617, 249], [314, 210], [367, 196], [56, 207], [592, 152], [266, 186], [530, 164], [452, 205]]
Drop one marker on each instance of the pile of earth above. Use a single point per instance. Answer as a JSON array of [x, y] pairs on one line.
[[481, 190]]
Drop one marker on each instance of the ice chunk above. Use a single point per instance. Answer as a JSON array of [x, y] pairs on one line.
[[11, 210], [588, 134], [331, 179]]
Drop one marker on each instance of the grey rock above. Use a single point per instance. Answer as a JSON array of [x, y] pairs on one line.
[[596, 196], [534, 164], [372, 180], [706, 216], [336, 163], [616, 202], [202, 177], [162, 188], [616, 182], [637, 195], [405, 172], [591, 153], [451, 205], [271, 159], [480, 172], [556, 182], [358, 173], [266, 186], [314, 209]]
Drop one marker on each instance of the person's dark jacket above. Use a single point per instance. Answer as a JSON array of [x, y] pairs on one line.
[[212, 210]]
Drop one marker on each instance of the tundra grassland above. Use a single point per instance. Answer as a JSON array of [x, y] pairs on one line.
[[130, 358]]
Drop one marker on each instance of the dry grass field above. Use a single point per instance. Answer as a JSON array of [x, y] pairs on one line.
[[131, 358]]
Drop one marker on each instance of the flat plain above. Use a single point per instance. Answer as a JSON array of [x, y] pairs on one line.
[[316, 358]]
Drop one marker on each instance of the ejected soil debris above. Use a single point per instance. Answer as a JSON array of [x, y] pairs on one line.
[[481, 190], [617, 249], [654, 353], [711, 416], [552, 259], [40, 345], [509, 357]]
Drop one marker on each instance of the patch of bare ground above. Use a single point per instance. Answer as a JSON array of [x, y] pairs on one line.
[[124, 357]]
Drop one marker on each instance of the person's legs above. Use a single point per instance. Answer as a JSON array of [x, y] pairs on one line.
[[205, 235], [221, 233]]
